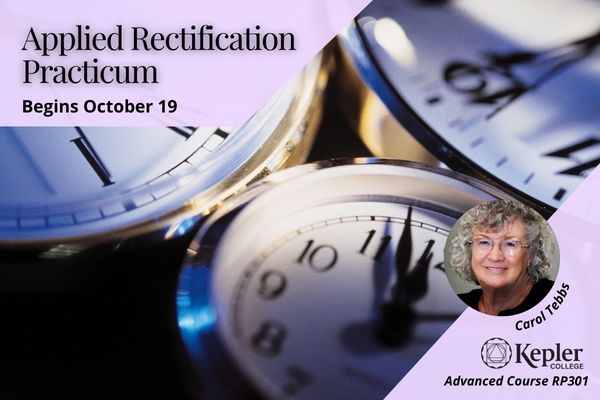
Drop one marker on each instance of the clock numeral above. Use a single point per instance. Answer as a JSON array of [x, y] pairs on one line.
[[464, 78], [268, 341], [475, 80], [383, 245], [298, 379], [272, 284], [579, 170], [88, 152], [320, 259], [567, 152]]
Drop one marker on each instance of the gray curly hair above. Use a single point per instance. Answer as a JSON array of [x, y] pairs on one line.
[[493, 216]]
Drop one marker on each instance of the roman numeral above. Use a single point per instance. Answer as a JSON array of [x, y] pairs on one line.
[[567, 152]]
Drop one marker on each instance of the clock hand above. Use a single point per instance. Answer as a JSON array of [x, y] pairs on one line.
[[402, 261], [557, 59], [86, 148], [397, 317], [416, 282]]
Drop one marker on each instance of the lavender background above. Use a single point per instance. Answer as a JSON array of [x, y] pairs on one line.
[[575, 324], [212, 88]]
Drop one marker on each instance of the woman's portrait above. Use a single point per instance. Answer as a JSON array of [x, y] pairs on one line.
[[507, 252]]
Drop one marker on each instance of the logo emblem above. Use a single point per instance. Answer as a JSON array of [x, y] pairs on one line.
[[496, 353]]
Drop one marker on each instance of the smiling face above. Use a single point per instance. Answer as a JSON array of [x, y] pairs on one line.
[[495, 269]]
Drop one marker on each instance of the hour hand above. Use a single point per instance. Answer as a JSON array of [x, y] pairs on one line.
[[396, 316], [90, 155]]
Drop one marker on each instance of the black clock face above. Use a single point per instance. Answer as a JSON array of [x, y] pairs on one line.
[[508, 87]]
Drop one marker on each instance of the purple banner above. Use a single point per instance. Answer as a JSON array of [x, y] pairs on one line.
[[141, 63]]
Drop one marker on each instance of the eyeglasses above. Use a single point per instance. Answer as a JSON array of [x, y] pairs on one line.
[[508, 247]]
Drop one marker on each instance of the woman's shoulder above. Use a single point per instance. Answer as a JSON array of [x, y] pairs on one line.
[[540, 289], [471, 298]]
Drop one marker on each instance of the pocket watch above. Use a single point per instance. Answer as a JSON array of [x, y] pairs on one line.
[[502, 90], [325, 280], [73, 196]]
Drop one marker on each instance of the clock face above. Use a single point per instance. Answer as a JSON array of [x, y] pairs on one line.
[[56, 178], [331, 284], [77, 181], [507, 87], [326, 311]]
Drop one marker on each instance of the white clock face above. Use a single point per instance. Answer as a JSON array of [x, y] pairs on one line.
[[55, 178], [330, 284], [508, 87], [326, 311], [76, 181]]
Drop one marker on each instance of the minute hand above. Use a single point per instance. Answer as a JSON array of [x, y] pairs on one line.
[[397, 317]]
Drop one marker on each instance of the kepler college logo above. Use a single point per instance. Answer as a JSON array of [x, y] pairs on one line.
[[563, 365], [496, 353]]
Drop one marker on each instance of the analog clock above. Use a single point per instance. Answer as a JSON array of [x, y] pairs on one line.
[[327, 280], [66, 190], [505, 90]]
